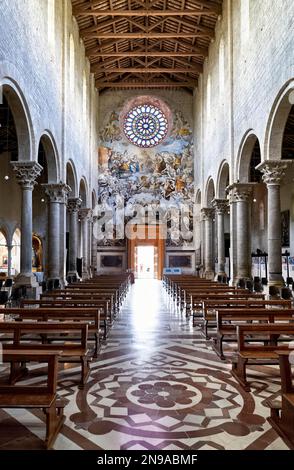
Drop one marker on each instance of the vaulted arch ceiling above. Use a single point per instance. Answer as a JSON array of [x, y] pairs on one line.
[[147, 43]]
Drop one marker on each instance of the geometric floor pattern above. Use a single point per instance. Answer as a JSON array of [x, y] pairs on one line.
[[157, 384]]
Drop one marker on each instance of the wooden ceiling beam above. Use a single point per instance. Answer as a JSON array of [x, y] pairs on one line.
[[139, 35], [146, 70], [211, 9], [162, 84], [151, 54]]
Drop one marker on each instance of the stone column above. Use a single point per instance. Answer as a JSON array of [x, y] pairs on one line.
[[207, 217], [90, 234], [221, 208], [241, 193], [56, 195], [62, 233], [26, 174], [73, 206], [84, 215], [273, 173], [94, 245], [9, 260]]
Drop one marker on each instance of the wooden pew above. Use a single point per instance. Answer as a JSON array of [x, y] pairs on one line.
[[81, 305], [259, 353], [108, 299], [89, 315], [76, 351], [197, 300], [42, 397], [282, 413], [228, 320], [209, 308]]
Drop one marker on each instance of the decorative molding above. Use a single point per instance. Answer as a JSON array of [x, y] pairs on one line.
[[240, 192], [26, 173], [73, 204], [207, 213], [85, 213], [57, 192], [273, 171], [221, 206]]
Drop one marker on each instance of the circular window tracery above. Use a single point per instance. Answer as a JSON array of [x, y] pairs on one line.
[[145, 125]]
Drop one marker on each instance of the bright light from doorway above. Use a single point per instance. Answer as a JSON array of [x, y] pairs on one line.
[[145, 262]]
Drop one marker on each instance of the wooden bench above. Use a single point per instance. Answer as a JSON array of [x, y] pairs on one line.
[[42, 397], [197, 299], [73, 349], [282, 413], [89, 315], [259, 353], [228, 320], [209, 308]]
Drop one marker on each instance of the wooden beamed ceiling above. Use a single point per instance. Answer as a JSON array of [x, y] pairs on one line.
[[147, 43]]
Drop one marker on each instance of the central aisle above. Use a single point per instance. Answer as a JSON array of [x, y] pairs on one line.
[[158, 385]]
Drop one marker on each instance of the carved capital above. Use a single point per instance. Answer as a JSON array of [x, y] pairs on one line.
[[73, 204], [207, 213], [221, 206], [240, 192], [26, 173], [85, 213], [57, 192], [273, 171]]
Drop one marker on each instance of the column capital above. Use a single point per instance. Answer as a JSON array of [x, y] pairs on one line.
[[273, 170], [73, 204], [240, 192], [85, 213], [207, 213], [221, 206], [56, 192], [26, 173]]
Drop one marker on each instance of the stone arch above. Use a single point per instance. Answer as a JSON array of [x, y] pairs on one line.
[[223, 180], [209, 192], [198, 197], [277, 121], [83, 192], [71, 179], [52, 157], [94, 199], [21, 116], [244, 156]]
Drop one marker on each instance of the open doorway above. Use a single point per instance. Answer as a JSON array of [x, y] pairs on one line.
[[145, 262]]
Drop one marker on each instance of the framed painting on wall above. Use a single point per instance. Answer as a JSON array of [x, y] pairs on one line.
[[111, 261]]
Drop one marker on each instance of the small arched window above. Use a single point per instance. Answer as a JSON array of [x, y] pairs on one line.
[[245, 21], [71, 63], [221, 67], [208, 99], [51, 23]]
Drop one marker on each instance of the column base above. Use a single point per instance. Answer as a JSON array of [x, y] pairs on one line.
[[72, 274], [27, 280], [276, 280], [209, 275], [220, 273], [85, 274]]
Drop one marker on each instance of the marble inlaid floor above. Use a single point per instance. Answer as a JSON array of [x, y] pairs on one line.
[[157, 385]]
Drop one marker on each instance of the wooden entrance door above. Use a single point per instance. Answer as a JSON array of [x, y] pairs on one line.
[[148, 235]]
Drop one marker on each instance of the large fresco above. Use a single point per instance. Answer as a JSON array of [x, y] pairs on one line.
[[161, 177]]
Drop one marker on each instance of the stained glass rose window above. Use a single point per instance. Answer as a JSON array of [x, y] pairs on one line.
[[145, 125]]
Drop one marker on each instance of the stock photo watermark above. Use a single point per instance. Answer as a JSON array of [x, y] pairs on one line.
[[119, 221]]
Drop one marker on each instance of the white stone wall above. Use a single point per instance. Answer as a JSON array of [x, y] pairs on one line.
[[255, 73], [38, 66], [258, 66]]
